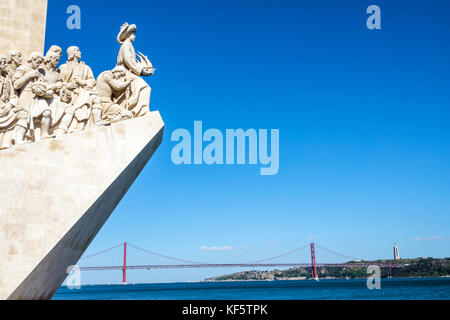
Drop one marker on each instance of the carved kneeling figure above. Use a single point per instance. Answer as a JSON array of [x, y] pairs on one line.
[[110, 85], [62, 112]]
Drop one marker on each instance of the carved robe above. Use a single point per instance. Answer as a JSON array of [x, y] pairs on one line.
[[83, 97], [8, 117], [127, 58], [24, 86], [139, 88], [58, 108], [28, 106]]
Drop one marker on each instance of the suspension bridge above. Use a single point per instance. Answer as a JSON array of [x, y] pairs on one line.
[[83, 264]]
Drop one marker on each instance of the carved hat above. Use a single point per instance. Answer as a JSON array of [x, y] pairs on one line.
[[125, 31]]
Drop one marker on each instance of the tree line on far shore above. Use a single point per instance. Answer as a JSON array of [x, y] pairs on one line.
[[415, 268]]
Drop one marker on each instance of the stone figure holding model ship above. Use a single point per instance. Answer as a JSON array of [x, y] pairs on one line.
[[41, 101], [139, 89]]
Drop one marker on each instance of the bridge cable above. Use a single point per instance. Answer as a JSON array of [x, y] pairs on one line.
[[101, 252], [279, 256], [164, 256], [335, 253]]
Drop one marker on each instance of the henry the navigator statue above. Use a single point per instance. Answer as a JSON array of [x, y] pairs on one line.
[[127, 58]]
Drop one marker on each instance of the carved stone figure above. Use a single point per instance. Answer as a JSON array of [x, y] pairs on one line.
[[8, 117], [39, 101], [41, 112], [32, 104], [80, 80], [62, 111], [127, 58], [56, 49], [14, 61], [50, 73], [110, 85]]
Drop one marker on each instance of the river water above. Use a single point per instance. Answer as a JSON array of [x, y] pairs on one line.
[[352, 289]]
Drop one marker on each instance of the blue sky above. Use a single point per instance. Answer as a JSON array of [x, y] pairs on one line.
[[363, 119]]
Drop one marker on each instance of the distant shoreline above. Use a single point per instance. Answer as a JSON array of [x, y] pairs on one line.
[[401, 268], [223, 281], [311, 279]]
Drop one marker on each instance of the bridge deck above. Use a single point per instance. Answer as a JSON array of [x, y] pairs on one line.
[[236, 265]]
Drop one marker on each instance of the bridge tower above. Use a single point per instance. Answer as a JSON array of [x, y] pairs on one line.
[[313, 261], [124, 278]]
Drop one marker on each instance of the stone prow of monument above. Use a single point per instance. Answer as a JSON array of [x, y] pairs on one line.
[[71, 146], [56, 194]]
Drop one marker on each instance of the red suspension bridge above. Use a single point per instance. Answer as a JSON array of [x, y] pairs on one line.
[[187, 264]]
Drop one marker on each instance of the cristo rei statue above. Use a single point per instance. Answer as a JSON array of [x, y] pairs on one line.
[[71, 145]]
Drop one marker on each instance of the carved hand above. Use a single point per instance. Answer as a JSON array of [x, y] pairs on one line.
[[72, 86], [33, 74], [78, 81], [56, 86], [147, 71], [59, 85], [5, 110]]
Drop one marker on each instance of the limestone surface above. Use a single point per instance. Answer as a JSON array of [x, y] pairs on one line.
[[22, 25], [56, 194]]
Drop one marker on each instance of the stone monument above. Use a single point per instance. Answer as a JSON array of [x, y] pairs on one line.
[[70, 148]]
